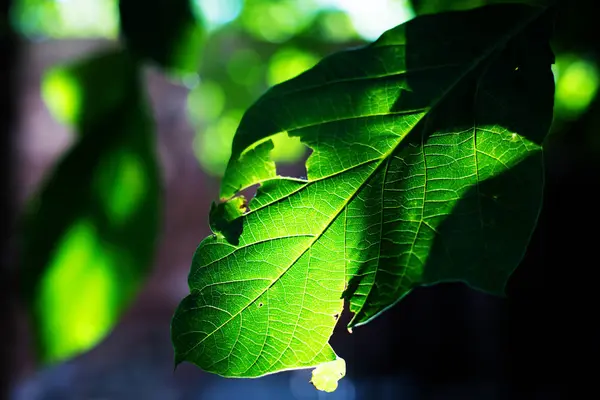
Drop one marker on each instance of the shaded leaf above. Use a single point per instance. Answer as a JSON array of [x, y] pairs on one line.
[[164, 31], [89, 235], [426, 167]]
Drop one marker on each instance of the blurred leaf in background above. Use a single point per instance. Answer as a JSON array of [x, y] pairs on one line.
[[66, 18], [256, 44], [577, 80], [86, 92], [89, 235], [167, 32]]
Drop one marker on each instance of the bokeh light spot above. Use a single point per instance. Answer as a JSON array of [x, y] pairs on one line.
[[577, 81], [287, 63], [206, 102], [62, 95], [122, 185], [336, 26], [245, 67], [217, 13], [373, 17], [276, 21], [212, 145]]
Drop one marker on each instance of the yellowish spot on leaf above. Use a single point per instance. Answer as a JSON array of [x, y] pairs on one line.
[[326, 376]]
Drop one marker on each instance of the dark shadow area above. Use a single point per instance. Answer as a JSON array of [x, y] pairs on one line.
[[162, 31], [8, 293]]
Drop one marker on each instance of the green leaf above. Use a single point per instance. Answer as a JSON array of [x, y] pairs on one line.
[[89, 235], [164, 31], [426, 167]]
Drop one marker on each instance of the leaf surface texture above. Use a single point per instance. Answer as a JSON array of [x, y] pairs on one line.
[[426, 167]]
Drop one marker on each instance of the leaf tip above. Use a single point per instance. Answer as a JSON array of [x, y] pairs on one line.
[[325, 376], [176, 362]]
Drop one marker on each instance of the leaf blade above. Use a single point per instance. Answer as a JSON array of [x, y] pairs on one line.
[[397, 154]]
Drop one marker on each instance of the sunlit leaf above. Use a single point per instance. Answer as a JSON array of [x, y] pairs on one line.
[[89, 234], [426, 167], [286, 64], [164, 31]]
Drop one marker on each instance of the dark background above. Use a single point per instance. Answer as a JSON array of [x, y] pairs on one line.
[[442, 342]]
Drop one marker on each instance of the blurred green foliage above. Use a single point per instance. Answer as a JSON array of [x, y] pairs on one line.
[[86, 91], [164, 31], [66, 18], [89, 234], [577, 80]]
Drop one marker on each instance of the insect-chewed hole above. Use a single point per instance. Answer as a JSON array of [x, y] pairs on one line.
[[260, 304], [248, 194], [296, 169]]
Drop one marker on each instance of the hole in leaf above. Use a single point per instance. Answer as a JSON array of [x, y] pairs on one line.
[[225, 218], [296, 169], [248, 193], [260, 304]]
